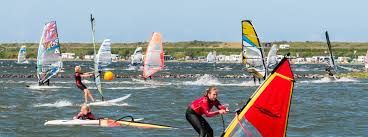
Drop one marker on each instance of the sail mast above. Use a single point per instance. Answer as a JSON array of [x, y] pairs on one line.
[[96, 70], [332, 60]]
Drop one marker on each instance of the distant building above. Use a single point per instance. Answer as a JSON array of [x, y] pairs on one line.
[[284, 46], [88, 57], [67, 55], [229, 59], [115, 57], [343, 60]]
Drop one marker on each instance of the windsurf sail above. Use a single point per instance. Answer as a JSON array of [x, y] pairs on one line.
[[48, 56], [266, 113], [366, 61], [97, 72], [331, 61], [22, 54], [252, 51], [272, 56], [211, 57], [154, 57], [104, 55], [137, 57]]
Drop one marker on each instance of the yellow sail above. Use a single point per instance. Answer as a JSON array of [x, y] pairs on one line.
[[251, 50]]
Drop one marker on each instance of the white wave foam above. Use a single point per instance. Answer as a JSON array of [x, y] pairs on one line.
[[204, 80], [59, 103], [329, 80], [36, 87], [114, 88]]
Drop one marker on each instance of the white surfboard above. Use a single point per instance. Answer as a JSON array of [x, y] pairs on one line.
[[72, 122], [112, 101], [77, 122]]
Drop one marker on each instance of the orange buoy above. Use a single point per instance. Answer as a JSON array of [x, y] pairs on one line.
[[108, 75]]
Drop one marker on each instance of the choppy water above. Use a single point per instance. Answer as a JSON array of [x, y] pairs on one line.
[[319, 107]]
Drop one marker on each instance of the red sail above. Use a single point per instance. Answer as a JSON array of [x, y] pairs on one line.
[[268, 110]]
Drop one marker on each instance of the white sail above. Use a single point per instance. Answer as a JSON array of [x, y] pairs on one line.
[[104, 55], [272, 57], [137, 57], [154, 58], [22, 55], [49, 56], [211, 57], [366, 61]]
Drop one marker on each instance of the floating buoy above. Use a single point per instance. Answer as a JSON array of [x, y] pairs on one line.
[[108, 75]]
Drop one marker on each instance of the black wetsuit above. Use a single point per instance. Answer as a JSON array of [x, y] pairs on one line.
[[78, 81]]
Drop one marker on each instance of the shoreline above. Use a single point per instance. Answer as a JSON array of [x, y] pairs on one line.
[[189, 61]]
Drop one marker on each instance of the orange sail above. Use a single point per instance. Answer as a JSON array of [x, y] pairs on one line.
[[266, 113], [154, 58]]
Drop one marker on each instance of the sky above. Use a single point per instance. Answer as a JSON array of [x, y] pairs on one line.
[[185, 20]]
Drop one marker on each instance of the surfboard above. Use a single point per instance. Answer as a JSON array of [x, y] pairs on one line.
[[104, 123], [109, 101]]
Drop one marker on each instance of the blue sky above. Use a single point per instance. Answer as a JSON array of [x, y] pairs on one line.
[[210, 20]]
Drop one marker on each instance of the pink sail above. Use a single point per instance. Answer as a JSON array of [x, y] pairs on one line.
[[154, 57]]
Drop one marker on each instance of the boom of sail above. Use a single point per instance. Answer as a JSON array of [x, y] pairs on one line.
[[266, 113], [48, 56], [154, 57], [252, 51]]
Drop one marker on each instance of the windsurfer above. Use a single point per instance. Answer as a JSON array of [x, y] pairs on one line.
[[85, 113], [41, 82], [78, 81], [203, 106]]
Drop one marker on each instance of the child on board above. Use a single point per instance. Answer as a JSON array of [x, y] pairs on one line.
[[203, 106], [78, 81], [85, 113]]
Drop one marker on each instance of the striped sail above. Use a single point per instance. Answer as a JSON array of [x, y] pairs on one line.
[[252, 50], [104, 55], [22, 55], [137, 57], [48, 56], [266, 113], [154, 57]]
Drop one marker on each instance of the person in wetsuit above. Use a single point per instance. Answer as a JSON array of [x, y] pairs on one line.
[[328, 69], [41, 82], [85, 113], [78, 81], [202, 106]]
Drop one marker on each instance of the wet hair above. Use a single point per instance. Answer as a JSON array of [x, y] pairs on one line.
[[207, 91], [87, 107]]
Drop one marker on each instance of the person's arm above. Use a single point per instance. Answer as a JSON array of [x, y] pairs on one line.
[[207, 111], [91, 117], [78, 116], [219, 106], [86, 75]]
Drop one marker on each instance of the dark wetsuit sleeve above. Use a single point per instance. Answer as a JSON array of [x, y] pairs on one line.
[[219, 106]]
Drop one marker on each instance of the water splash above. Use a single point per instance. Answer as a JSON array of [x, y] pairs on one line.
[[59, 103]]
